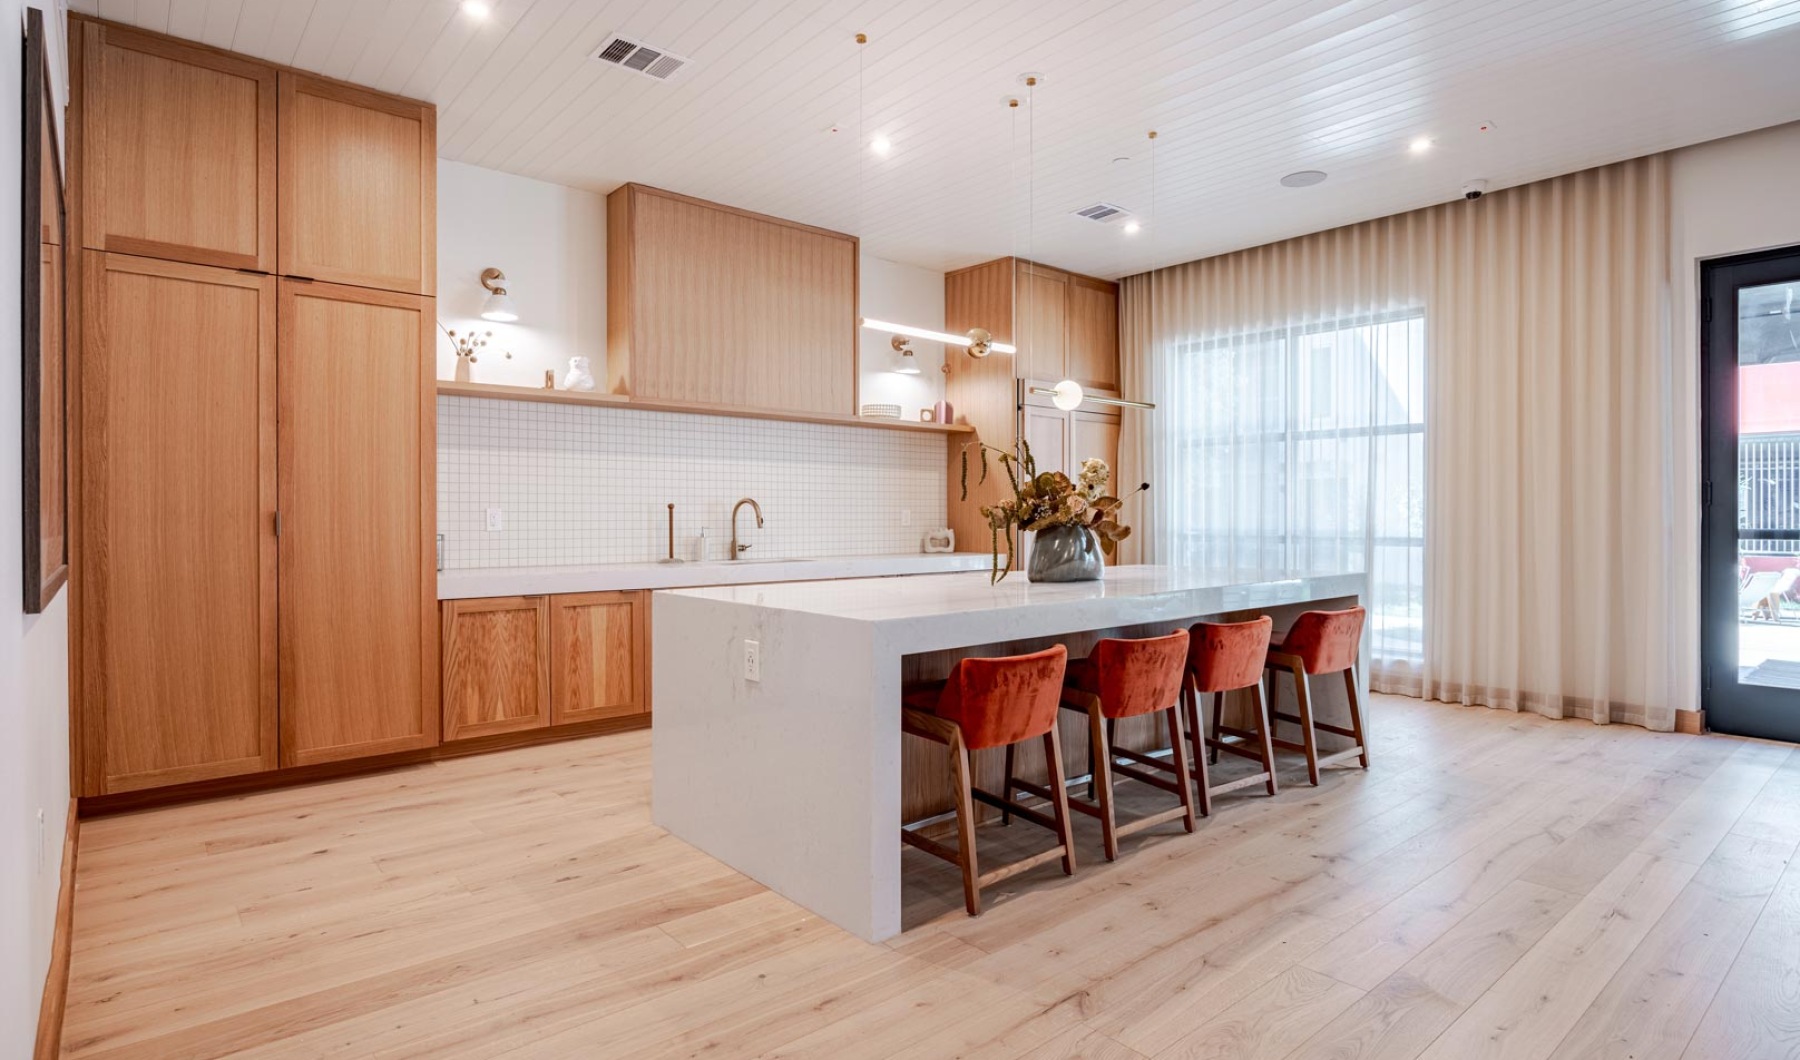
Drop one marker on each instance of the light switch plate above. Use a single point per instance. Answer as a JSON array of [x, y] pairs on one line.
[[496, 520]]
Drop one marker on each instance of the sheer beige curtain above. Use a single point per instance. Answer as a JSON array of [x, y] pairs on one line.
[[1472, 403]]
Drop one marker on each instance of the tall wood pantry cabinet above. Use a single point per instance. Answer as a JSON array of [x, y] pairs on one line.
[[1066, 326], [252, 420]]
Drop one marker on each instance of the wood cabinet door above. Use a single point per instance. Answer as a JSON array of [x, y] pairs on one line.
[[358, 186], [1093, 333], [600, 656], [359, 658], [496, 665], [1042, 314], [720, 306], [1095, 434], [177, 150], [177, 507]]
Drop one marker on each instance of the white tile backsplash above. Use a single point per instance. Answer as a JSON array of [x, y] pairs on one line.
[[581, 485]]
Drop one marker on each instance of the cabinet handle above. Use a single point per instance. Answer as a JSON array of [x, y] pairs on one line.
[[277, 524]]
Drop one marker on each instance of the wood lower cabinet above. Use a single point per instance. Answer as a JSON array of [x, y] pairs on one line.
[[359, 653], [496, 665], [177, 470], [600, 646], [177, 148], [512, 663], [358, 186]]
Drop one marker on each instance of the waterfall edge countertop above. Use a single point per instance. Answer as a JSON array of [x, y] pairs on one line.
[[777, 746], [475, 582]]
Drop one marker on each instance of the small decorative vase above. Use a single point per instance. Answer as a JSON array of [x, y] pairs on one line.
[[462, 368], [1065, 554], [578, 377]]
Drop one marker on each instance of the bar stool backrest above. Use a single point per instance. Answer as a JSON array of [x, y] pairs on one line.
[[1004, 700], [1139, 676], [1225, 656], [1326, 641]]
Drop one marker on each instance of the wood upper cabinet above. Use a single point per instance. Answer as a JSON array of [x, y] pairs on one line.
[[1042, 312], [358, 186], [359, 652], [178, 149], [1091, 348], [600, 655], [715, 305], [177, 473], [496, 665]]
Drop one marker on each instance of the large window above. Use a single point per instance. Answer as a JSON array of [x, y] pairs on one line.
[[1302, 449]]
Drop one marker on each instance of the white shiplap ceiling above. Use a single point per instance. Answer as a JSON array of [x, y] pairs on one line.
[[1241, 92]]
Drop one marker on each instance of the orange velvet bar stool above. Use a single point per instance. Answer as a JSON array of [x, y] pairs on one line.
[[1224, 657], [1321, 642], [994, 703], [1128, 679]]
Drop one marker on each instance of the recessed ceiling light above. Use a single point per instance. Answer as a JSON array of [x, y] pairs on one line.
[[1132, 228], [880, 145], [1420, 145], [1305, 178], [476, 9]]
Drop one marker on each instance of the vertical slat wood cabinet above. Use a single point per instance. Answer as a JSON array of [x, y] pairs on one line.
[[600, 656], [358, 186], [178, 149], [703, 299], [496, 675], [357, 448], [178, 621]]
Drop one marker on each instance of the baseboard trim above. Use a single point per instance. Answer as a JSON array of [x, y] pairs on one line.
[[1691, 722], [56, 983], [293, 776]]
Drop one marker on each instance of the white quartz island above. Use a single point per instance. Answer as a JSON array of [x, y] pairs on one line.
[[794, 778]]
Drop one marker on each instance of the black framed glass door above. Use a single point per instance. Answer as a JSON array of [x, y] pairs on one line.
[[1750, 500]]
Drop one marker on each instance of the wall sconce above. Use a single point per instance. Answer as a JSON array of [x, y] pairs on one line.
[[909, 365], [499, 306], [1068, 396], [978, 342]]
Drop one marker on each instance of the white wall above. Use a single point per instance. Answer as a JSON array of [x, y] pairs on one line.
[[34, 694], [1726, 197], [551, 243], [901, 294]]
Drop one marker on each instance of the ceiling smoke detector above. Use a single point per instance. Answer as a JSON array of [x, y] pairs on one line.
[[640, 58]]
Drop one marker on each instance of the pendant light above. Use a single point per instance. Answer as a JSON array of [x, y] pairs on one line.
[[1068, 394]]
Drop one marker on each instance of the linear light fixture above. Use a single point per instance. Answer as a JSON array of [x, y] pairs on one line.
[[974, 340], [1068, 396]]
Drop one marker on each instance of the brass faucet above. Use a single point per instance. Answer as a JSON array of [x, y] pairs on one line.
[[737, 550]]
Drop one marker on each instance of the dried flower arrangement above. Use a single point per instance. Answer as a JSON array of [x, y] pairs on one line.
[[1042, 500]]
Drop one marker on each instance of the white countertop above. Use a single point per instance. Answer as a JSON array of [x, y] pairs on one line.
[[478, 582], [944, 610]]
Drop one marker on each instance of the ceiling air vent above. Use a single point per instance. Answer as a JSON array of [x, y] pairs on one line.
[[640, 58], [1104, 212]]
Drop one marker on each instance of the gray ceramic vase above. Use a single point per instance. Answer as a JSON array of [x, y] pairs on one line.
[[1065, 554]]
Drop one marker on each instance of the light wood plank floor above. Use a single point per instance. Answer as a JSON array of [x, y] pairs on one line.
[[1498, 886]]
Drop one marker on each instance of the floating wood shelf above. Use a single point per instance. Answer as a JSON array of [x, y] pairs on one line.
[[449, 388]]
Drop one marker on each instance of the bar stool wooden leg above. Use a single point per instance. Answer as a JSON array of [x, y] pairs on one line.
[[1176, 741], [1097, 734], [1308, 736], [1197, 738], [1059, 799], [965, 828], [1265, 727], [1006, 787], [1356, 724]]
